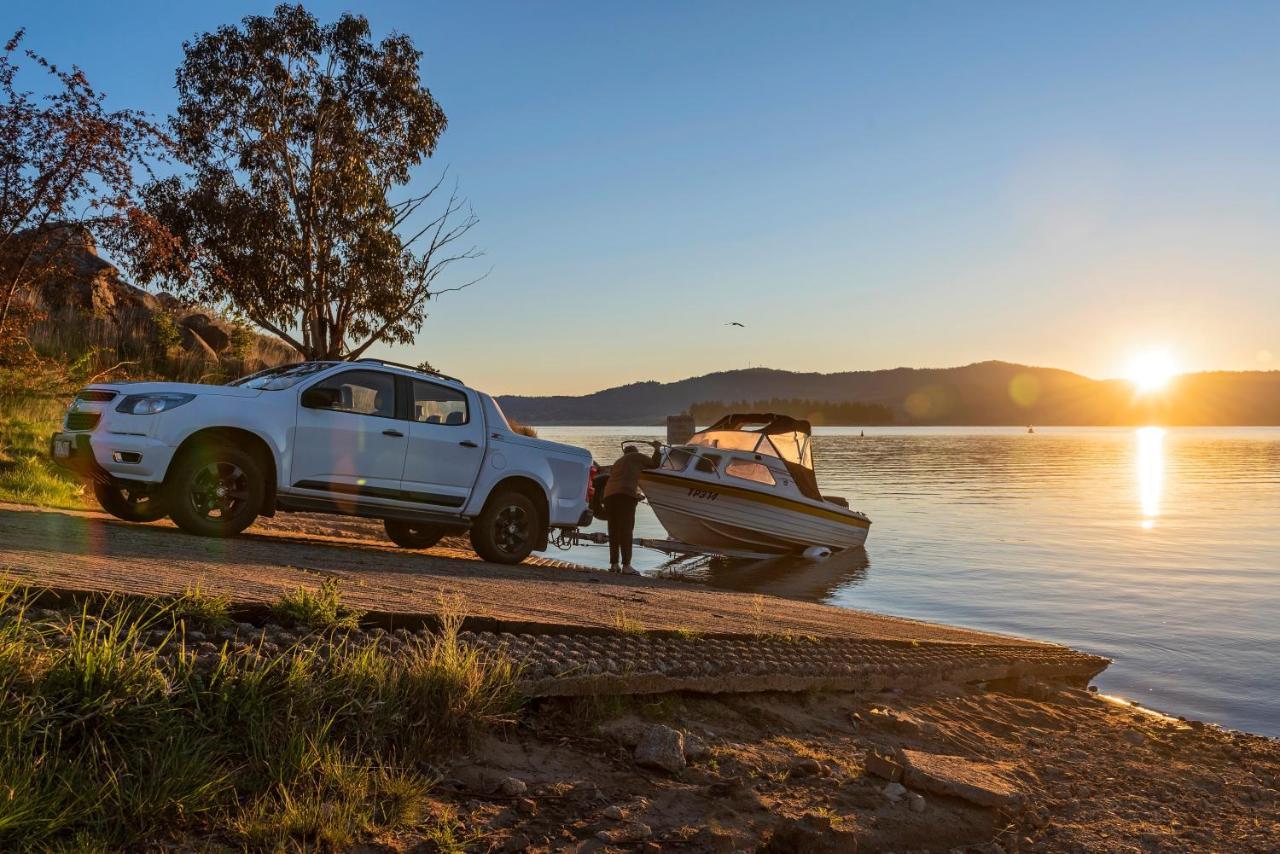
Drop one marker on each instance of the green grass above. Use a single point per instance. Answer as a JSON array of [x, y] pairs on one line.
[[317, 608], [27, 474], [108, 742], [207, 611]]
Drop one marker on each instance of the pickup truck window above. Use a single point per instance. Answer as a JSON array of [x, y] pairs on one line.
[[360, 392], [437, 404]]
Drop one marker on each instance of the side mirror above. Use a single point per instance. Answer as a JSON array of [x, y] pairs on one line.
[[320, 398]]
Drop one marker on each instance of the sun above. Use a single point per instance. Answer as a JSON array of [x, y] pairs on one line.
[[1151, 371]]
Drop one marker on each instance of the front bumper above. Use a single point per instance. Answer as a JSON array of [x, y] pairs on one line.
[[111, 458], [73, 452]]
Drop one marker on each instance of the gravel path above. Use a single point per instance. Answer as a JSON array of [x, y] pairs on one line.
[[86, 551]]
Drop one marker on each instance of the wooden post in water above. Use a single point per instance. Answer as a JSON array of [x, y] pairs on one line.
[[680, 428]]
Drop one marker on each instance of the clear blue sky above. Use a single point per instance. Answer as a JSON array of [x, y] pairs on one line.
[[863, 185]]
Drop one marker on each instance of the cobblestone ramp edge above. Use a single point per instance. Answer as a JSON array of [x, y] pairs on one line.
[[583, 665]]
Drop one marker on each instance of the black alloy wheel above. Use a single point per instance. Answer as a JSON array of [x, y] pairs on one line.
[[215, 492], [507, 529]]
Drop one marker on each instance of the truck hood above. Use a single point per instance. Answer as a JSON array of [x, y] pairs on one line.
[[177, 388]]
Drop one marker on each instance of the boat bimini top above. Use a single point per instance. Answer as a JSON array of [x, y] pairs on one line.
[[768, 434]]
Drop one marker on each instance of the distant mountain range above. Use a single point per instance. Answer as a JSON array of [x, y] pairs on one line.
[[985, 393]]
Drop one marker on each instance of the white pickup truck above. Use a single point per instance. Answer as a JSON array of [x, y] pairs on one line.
[[421, 451]]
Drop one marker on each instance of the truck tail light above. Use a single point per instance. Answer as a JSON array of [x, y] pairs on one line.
[[591, 483]]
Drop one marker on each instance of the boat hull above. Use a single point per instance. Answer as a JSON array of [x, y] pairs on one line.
[[716, 515]]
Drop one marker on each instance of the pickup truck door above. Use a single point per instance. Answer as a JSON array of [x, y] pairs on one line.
[[446, 445], [348, 443]]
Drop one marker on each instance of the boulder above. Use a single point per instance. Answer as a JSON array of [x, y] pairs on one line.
[[986, 784], [661, 747]]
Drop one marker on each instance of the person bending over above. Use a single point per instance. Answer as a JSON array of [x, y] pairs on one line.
[[621, 494]]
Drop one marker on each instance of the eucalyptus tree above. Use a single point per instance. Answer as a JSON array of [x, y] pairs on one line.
[[301, 140]]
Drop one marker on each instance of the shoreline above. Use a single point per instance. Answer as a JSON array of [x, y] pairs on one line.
[[780, 724]]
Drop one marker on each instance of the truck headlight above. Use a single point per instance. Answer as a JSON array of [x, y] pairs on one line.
[[152, 404]]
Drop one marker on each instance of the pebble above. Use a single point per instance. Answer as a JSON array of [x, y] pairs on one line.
[[512, 786], [807, 767], [894, 791], [613, 812], [915, 801]]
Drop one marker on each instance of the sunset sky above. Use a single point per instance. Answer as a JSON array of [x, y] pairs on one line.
[[863, 185]]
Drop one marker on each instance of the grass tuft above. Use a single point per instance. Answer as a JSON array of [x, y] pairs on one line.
[[320, 608], [112, 736], [627, 625], [208, 611]]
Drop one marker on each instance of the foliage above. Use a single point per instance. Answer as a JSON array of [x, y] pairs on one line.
[[63, 156], [164, 332], [206, 610], [818, 412], [242, 341], [296, 135], [320, 608], [112, 738], [27, 475]]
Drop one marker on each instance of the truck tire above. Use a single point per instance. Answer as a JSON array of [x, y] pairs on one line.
[[215, 491], [129, 504], [507, 529], [413, 535]]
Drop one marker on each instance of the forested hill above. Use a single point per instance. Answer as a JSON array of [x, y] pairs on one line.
[[985, 393]]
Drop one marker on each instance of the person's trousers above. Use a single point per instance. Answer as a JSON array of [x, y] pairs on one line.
[[622, 524]]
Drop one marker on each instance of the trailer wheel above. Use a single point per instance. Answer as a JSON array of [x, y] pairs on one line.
[[215, 491], [412, 535], [128, 504], [507, 529]]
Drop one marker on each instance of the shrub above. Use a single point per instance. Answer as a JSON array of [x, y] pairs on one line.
[[320, 608]]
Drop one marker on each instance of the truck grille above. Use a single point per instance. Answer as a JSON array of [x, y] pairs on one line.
[[96, 396], [82, 420]]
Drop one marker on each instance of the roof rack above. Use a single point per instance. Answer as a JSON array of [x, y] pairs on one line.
[[413, 368]]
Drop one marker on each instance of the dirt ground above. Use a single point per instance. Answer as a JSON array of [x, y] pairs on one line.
[[90, 551], [788, 772]]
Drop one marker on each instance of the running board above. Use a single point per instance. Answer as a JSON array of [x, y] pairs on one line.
[[309, 504]]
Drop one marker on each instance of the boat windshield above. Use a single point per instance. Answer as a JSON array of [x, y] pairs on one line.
[[791, 447]]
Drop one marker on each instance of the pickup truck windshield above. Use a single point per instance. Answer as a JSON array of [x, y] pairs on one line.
[[283, 376]]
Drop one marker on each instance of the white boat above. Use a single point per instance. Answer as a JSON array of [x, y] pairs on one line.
[[747, 482]]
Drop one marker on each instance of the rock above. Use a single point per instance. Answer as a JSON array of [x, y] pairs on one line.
[[810, 834], [884, 765], [217, 338], [613, 812], [894, 791], [695, 749], [526, 806], [1134, 737], [661, 747], [915, 801], [196, 636], [625, 834], [984, 784], [806, 766], [512, 787], [696, 776]]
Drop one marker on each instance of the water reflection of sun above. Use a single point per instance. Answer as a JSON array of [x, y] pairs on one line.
[[1150, 473]]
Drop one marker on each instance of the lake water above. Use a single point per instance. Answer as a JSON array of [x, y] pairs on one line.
[[1157, 548]]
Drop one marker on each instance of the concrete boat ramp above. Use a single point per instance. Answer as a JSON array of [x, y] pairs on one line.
[[578, 631]]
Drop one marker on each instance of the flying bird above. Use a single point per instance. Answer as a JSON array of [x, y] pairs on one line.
[[736, 323]]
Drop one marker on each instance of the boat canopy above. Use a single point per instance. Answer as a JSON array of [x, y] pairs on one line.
[[772, 435]]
